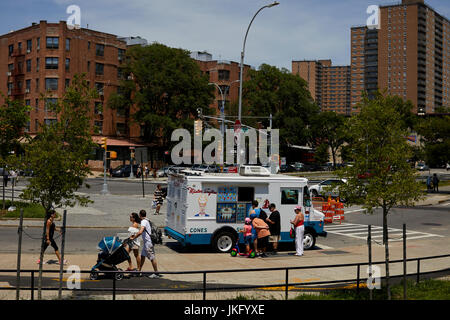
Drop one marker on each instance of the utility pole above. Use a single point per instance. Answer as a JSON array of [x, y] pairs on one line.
[[105, 185]]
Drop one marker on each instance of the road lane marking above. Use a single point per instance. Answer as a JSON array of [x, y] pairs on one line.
[[359, 231]]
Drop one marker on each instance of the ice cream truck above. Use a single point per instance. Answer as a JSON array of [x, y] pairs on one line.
[[210, 208]]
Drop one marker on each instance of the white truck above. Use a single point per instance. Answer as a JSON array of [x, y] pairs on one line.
[[210, 208]]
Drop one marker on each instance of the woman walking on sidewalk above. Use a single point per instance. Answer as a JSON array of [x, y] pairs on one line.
[[49, 233], [299, 230], [134, 245]]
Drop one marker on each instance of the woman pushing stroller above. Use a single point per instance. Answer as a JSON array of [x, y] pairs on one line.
[[134, 244]]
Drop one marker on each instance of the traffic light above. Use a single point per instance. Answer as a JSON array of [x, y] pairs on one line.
[[104, 143], [113, 155]]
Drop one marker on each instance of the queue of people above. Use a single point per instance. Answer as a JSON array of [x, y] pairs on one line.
[[263, 232]]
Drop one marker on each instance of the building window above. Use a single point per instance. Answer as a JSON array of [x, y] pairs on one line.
[[50, 104], [29, 46], [52, 42], [38, 43], [51, 84], [224, 75], [67, 64], [51, 63], [99, 88], [67, 83], [89, 45], [67, 44], [99, 50], [99, 69], [28, 86], [120, 129], [36, 105], [28, 65], [37, 64], [98, 127], [121, 54], [10, 50], [37, 85], [98, 108]]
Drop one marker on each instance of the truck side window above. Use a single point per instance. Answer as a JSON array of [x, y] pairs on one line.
[[289, 196], [246, 194], [306, 197]]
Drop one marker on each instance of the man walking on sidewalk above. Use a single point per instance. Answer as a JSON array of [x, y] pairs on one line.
[[148, 250]]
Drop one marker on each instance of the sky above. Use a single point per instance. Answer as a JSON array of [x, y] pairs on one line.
[[293, 30]]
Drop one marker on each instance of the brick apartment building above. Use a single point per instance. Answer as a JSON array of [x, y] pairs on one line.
[[224, 74], [409, 56], [329, 85], [45, 56]]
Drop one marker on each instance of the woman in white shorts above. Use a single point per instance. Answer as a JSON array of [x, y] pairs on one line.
[[135, 244]]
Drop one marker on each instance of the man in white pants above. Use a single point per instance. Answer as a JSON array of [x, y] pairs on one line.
[[298, 223]]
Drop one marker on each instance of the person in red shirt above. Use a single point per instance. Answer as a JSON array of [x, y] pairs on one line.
[[298, 223]]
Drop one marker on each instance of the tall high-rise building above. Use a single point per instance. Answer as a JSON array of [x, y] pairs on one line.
[[409, 56], [329, 85]]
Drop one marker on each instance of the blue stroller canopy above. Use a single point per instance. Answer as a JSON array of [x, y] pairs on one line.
[[109, 244]]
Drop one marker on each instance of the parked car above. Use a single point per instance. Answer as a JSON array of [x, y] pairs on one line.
[[162, 172], [422, 167], [287, 168], [124, 171], [299, 166], [320, 189]]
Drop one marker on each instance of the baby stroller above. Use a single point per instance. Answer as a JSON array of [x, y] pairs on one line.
[[112, 252]]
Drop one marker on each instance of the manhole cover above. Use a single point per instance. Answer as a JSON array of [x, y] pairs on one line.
[[335, 252], [432, 224]]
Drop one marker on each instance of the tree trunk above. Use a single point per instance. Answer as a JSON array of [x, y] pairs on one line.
[[386, 247]]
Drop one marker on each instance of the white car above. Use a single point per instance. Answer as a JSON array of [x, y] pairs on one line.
[[321, 188]]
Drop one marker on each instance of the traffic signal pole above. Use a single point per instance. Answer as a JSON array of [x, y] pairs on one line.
[[105, 185]]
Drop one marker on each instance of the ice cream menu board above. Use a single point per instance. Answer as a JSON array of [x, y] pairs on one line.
[[226, 212], [227, 194]]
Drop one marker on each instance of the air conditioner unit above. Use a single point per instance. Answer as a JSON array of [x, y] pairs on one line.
[[28, 50], [254, 171], [27, 90], [8, 74]]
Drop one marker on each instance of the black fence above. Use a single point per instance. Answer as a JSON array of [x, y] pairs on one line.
[[357, 281]]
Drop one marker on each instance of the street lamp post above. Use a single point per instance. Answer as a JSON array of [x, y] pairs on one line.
[[243, 53], [222, 108]]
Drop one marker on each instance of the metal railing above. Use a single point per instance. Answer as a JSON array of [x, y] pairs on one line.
[[204, 284]]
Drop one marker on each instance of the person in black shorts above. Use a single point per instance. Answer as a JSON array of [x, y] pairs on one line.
[[50, 231]]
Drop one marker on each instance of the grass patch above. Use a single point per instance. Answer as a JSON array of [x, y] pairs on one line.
[[30, 210], [425, 290]]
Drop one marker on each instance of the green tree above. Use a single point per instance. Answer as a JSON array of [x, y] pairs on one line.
[[381, 176], [59, 153], [321, 155], [164, 87], [435, 135], [270, 90], [13, 119], [329, 128]]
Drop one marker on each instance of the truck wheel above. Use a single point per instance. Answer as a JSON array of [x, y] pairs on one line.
[[309, 240], [224, 242]]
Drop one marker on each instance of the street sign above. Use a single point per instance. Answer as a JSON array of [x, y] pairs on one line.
[[141, 155]]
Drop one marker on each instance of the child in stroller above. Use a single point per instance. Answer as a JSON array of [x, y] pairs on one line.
[[112, 253]]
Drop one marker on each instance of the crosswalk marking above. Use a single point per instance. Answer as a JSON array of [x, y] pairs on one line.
[[360, 231]]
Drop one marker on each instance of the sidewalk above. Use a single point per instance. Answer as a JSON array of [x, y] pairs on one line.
[[172, 262]]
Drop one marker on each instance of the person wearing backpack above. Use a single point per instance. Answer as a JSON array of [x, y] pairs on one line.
[[148, 249]]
